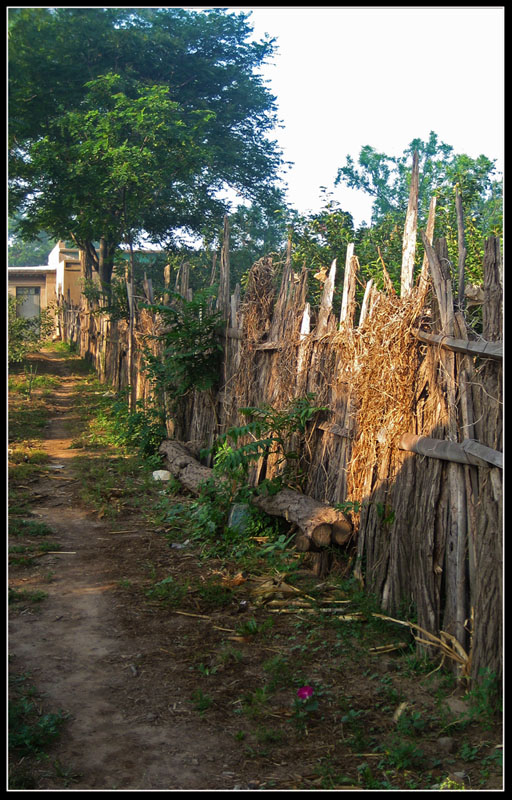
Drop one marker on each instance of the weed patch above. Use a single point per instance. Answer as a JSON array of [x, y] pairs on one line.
[[24, 596], [31, 732]]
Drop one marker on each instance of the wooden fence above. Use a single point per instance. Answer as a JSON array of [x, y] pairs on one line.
[[412, 439]]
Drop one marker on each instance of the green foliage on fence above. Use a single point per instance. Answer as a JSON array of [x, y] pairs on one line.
[[190, 347]]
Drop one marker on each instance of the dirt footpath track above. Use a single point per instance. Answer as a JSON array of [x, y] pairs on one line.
[[84, 648]]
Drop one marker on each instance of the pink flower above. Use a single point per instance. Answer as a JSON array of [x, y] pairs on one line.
[[305, 692]]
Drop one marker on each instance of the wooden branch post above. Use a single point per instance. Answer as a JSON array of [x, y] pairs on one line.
[[326, 302], [223, 298], [467, 452], [349, 288], [410, 229], [462, 248], [442, 286], [492, 309], [167, 283], [431, 222], [366, 302], [480, 348]]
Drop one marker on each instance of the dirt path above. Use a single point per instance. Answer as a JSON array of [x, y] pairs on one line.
[[200, 693], [85, 650]]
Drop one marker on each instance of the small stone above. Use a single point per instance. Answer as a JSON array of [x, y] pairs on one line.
[[162, 475], [239, 517], [456, 705], [460, 776], [446, 743]]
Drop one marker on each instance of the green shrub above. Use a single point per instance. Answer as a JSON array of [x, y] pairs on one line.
[[25, 335], [192, 351]]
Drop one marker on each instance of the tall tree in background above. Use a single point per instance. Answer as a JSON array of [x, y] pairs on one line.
[[28, 253], [387, 180], [131, 122]]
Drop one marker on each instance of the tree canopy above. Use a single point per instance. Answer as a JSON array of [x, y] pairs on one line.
[[387, 179], [442, 171], [126, 122]]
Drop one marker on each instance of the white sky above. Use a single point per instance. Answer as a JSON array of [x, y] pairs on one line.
[[346, 76]]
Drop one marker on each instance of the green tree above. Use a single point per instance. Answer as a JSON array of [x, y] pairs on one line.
[[320, 238], [24, 253], [111, 167], [25, 335], [130, 122], [256, 230], [387, 180]]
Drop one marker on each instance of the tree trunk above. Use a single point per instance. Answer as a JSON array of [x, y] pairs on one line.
[[190, 473], [319, 525], [106, 265]]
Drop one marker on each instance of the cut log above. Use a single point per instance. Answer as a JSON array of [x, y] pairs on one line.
[[183, 466], [319, 525]]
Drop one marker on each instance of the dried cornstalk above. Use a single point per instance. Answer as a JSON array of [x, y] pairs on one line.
[[445, 642]]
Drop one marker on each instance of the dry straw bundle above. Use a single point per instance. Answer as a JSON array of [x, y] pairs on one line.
[[383, 379], [259, 298]]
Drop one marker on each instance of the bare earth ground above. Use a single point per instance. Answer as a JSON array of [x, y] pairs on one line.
[[126, 670]]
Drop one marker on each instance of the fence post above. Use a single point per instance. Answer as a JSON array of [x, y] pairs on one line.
[[462, 249], [409, 240], [349, 288], [223, 298]]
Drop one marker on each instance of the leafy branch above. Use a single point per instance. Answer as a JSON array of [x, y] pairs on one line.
[[267, 431], [191, 353]]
